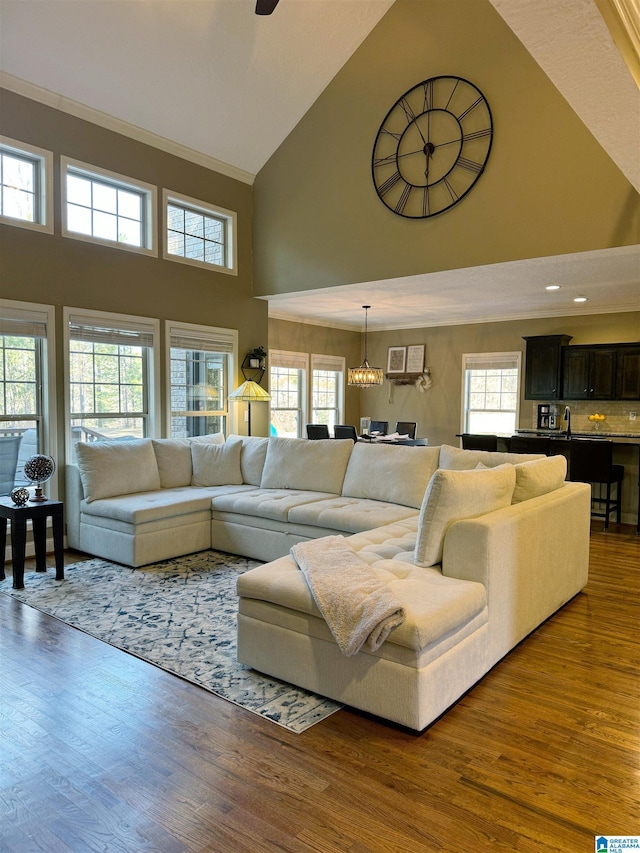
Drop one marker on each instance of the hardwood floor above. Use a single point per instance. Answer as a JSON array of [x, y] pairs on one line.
[[102, 752]]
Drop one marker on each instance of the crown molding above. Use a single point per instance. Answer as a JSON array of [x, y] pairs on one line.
[[125, 128]]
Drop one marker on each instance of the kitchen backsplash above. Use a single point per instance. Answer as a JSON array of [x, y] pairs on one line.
[[616, 415]]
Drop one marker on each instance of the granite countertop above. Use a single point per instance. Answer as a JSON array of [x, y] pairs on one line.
[[628, 437]]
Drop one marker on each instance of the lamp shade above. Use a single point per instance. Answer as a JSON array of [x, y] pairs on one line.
[[250, 392]]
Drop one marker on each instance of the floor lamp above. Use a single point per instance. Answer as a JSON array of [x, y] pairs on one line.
[[250, 392]]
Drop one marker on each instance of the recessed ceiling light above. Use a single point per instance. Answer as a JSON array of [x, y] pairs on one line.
[[552, 287], [580, 299]]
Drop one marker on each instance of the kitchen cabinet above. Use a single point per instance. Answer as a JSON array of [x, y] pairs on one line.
[[589, 372], [543, 367], [628, 372]]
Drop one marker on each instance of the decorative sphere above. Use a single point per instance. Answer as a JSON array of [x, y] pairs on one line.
[[19, 495], [39, 468]]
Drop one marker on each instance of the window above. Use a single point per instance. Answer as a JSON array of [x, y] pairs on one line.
[[112, 373], [27, 401], [491, 392], [327, 382], [288, 391], [103, 207], [199, 234], [26, 197], [200, 363]]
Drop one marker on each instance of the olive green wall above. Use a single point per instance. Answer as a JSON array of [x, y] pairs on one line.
[[56, 270], [549, 188]]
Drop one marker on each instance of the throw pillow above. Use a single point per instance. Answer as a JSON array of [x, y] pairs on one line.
[[174, 458], [111, 468], [252, 456], [216, 464], [454, 495], [539, 477]]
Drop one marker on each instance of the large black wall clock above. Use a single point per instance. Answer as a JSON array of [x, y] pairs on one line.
[[432, 147]]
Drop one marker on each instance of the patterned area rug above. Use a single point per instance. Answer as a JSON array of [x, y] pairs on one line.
[[179, 615]]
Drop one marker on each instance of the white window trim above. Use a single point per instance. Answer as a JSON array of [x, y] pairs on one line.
[[231, 217], [230, 336], [489, 357], [45, 158], [297, 361], [154, 366], [34, 310], [336, 363], [151, 192]]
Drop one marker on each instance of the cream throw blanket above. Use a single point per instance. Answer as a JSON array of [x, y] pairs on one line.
[[359, 609]]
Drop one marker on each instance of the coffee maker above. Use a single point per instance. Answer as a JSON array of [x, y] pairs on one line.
[[547, 417]]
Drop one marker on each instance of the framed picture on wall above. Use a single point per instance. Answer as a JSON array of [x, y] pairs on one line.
[[397, 360], [415, 358]]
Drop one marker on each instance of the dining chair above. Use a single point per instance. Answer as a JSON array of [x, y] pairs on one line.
[[591, 461], [472, 441], [381, 427], [317, 431], [345, 431], [529, 444], [406, 428]]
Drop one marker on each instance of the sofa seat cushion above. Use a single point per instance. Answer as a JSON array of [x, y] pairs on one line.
[[352, 515], [434, 607], [266, 503], [145, 507]]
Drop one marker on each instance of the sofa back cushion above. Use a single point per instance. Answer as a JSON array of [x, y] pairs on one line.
[[539, 477], [110, 468], [454, 495], [173, 456], [455, 459], [399, 475], [216, 464], [252, 456], [299, 463]]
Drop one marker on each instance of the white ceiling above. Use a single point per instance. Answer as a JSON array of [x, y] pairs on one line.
[[225, 87]]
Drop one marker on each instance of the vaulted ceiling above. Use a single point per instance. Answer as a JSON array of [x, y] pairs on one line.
[[211, 80]]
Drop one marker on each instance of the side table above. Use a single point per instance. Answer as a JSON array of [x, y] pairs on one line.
[[18, 516]]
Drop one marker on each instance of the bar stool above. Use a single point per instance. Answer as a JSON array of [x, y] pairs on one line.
[[471, 441], [529, 444], [591, 461]]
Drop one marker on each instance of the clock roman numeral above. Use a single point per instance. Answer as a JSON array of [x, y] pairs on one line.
[[476, 134], [471, 165], [406, 108], [472, 107], [428, 95], [389, 160], [425, 202], [452, 192], [404, 198], [390, 183]]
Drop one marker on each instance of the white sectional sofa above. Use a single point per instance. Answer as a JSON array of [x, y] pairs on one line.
[[477, 548]]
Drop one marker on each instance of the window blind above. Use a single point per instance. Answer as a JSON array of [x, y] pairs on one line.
[[97, 330], [19, 323]]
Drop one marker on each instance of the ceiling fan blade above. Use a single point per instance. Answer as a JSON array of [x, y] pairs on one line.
[[265, 7]]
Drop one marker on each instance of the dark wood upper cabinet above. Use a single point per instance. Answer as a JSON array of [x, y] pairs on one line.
[[543, 367], [628, 372], [589, 373]]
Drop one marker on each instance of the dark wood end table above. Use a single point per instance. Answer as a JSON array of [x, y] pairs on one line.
[[18, 516]]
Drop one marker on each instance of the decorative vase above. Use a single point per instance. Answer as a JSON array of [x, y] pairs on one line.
[[20, 495]]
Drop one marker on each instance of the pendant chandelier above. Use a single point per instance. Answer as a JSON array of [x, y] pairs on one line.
[[365, 376]]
